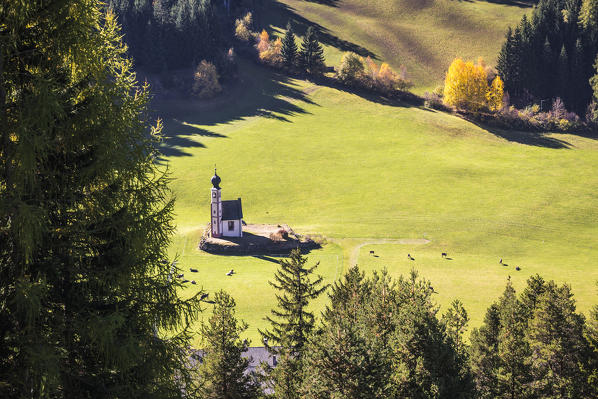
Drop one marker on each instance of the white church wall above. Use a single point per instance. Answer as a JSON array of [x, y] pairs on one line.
[[236, 231]]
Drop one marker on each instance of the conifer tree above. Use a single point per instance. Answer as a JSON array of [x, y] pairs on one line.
[[484, 356], [456, 320], [341, 356], [558, 346], [223, 372], [513, 373], [291, 322], [425, 363], [86, 294], [289, 47], [311, 55], [592, 342]]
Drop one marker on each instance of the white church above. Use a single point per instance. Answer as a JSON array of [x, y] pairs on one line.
[[227, 216]]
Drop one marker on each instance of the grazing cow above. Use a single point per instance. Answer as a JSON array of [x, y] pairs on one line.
[[500, 261], [185, 281], [180, 275], [410, 257], [230, 273], [371, 252], [517, 268], [193, 282], [193, 270], [204, 296], [444, 255]]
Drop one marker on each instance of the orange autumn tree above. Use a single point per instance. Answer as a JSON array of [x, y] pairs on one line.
[[466, 85], [264, 43]]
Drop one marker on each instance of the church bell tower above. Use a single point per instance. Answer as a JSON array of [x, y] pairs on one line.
[[216, 206]]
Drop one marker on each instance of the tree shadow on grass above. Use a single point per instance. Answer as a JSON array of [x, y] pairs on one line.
[[272, 12], [401, 99], [516, 3], [537, 139], [259, 91]]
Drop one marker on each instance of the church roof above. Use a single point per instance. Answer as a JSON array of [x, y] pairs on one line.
[[232, 210]]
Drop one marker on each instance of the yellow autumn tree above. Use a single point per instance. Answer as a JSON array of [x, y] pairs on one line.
[[495, 94], [264, 43], [466, 85]]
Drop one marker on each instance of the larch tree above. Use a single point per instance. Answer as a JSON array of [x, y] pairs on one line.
[[311, 55], [289, 47], [494, 96], [87, 304], [291, 323], [223, 371]]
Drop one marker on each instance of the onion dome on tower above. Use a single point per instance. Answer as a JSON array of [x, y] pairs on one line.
[[216, 180]]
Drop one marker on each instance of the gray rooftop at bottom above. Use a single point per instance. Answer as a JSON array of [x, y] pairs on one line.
[[232, 210]]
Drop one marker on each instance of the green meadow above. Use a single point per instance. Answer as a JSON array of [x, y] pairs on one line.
[[422, 35], [366, 173]]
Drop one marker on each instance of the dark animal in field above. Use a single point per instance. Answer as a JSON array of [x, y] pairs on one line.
[[230, 273], [500, 261], [444, 255], [185, 281], [193, 282], [180, 275], [371, 252], [517, 268], [410, 257], [193, 270], [204, 296]]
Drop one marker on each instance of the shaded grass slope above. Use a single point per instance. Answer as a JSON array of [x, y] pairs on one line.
[[423, 35]]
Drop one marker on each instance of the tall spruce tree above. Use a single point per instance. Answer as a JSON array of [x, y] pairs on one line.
[[311, 55], [455, 320], [85, 216], [291, 322], [223, 371], [559, 351], [343, 355], [591, 335], [513, 373], [289, 47], [484, 356]]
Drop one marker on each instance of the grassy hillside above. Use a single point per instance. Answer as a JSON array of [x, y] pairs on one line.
[[360, 170], [423, 35]]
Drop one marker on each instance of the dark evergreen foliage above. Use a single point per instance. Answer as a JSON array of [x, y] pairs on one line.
[[311, 55], [223, 372], [85, 216], [550, 56], [533, 346], [291, 323], [171, 34], [381, 338], [289, 47]]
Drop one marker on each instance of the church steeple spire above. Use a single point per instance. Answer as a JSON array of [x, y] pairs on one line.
[[216, 179]]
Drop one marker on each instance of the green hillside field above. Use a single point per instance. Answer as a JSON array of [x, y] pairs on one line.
[[423, 35], [366, 173]]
